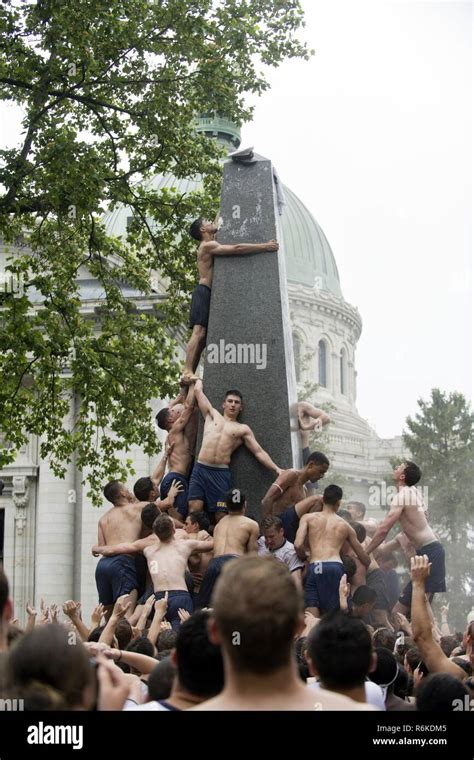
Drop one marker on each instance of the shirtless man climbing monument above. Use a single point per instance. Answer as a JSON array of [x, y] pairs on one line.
[[409, 509], [234, 536], [288, 497], [326, 533], [210, 478], [205, 232]]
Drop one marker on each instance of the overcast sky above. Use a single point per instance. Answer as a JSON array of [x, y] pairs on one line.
[[374, 135]]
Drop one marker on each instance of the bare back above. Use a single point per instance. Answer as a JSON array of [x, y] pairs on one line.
[[167, 564], [221, 438], [412, 518], [326, 536], [180, 456], [235, 534], [121, 524]]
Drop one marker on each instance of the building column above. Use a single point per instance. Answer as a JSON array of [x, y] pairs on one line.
[[55, 532]]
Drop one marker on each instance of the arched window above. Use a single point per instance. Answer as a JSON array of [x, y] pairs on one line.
[[297, 355], [322, 363], [343, 371]]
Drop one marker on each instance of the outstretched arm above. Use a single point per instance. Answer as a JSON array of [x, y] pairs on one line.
[[185, 416], [134, 547], [215, 249], [385, 527], [318, 417], [430, 651], [205, 406], [260, 454]]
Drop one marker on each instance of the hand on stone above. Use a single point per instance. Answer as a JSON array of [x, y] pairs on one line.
[[272, 245]]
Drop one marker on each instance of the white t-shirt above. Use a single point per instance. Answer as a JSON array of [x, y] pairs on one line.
[[153, 705], [373, 696], [285, 554]]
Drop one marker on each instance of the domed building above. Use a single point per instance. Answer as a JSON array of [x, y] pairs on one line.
[[48, 525]]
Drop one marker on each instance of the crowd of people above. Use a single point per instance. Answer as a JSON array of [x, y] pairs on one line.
[[202, 607]]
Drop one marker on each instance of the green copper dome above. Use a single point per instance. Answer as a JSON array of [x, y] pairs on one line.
[[308, 256]]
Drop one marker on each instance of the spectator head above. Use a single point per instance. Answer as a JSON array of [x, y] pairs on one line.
[[196, 521], [255, 598], [198, 661], [273, 532], [145, 490], [384, 637], [163, 527], [316, 466], [235, 501], [339, 651], [345, 515], [385, 671], [447, 644], [161, 679], [49, 672], [141, 645], [413, 662], [468, 636], [441, 692], [407, 474], [166, 418], [117, 492], [332, 497], [371, 526], [166, 640], [123, 633], [149, 514], [388, 562], [357, 510], [363, 601]]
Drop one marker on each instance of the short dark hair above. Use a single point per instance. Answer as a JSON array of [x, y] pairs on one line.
[[141, 645], [360, 531], [112, 491], [4, 591], [384, 637], [161, 679], [364, 595], [447, 644], [96, 633], [415, 661], [271, 521], [234, 392], [162, 418], [438, 691], [360, 507], [345, 515], [341, 650], [149, 514], [256, 596], [166, 640], [235, 500], [386, 670], [332, 494], [317, 457], [201, 519], [198, 661], [195, 229], [163, 527], [142, 488], [412, 473], [123, 633]]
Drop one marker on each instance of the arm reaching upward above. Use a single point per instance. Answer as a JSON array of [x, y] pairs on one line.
[[357, 547], [385, 527], [205, 406]]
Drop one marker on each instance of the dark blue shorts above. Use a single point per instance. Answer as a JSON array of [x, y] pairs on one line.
[[115, 576], [210, 484], [291, 523], [181, 500], [322, 585], [176, 600], [211, 575], [200, 304], [436, 581]]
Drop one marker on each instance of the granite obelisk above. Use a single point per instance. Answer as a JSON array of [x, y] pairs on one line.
[[249, 344]]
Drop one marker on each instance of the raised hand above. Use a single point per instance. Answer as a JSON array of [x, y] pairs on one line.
[[420, 567]]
